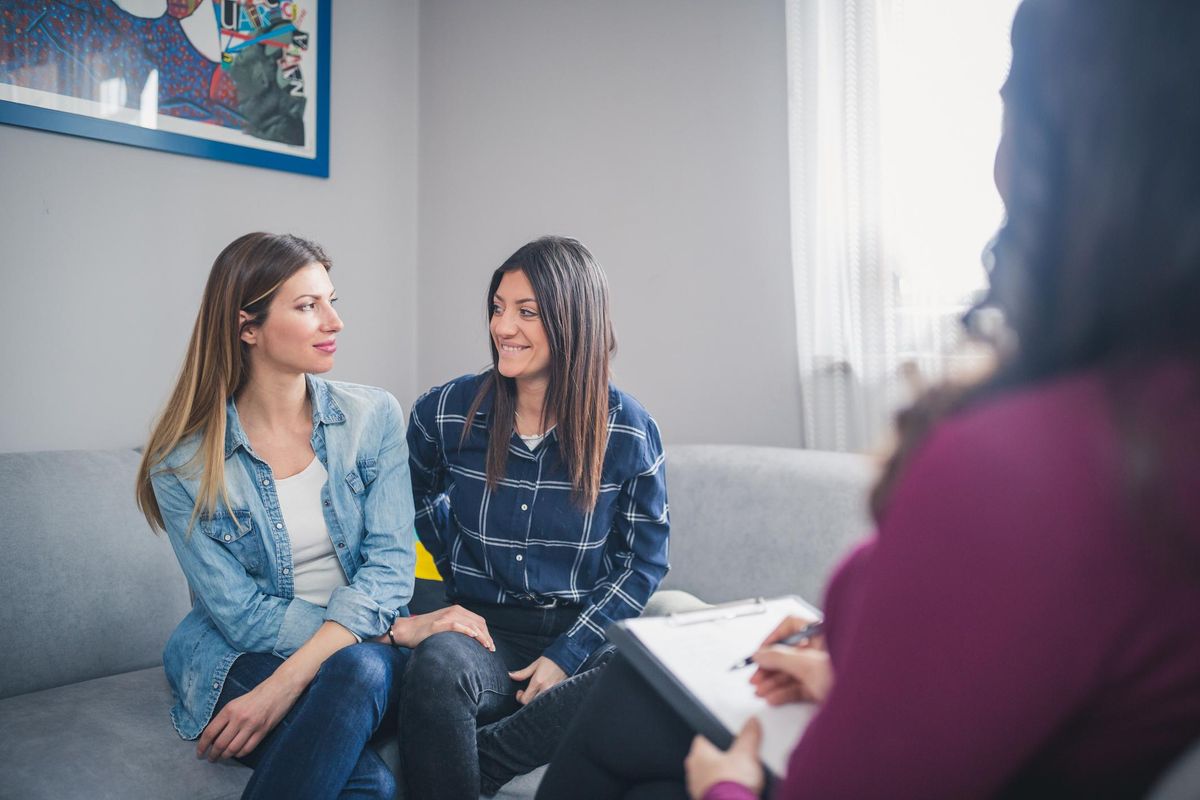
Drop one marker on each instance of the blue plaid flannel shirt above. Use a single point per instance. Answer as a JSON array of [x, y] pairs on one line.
[[528, 543]]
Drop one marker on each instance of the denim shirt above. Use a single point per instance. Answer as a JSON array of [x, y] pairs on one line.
[[240, 567], [526, 542]]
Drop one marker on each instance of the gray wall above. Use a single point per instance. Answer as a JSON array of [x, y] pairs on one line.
[[106, 248], [655, 131]]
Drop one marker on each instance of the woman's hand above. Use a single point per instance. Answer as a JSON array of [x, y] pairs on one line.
[[411, 631], [707, 766], [789, 626], [792, 674], [541, 674], [245, 720]]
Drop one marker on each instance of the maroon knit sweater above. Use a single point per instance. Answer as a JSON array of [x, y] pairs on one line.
[[1011, 630]]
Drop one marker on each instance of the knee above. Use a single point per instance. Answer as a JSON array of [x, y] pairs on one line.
[[440, 659], [361, 670], [436, 671]]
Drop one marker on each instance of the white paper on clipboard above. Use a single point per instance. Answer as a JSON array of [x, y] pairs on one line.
[[699, 647]]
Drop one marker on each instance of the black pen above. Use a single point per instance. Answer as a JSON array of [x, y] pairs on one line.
[[809, 631]]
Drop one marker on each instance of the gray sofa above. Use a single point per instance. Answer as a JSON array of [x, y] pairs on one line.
[[88, 596]]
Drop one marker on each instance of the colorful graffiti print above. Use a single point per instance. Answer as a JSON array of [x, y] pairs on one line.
[[78, 48]]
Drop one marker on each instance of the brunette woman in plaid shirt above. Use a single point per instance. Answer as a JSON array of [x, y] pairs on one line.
[[540, 492]]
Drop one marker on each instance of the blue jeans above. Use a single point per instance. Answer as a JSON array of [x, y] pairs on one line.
[[319, 749], [462, 731]]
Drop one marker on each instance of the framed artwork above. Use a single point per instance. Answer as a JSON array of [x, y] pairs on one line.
[[236, 80]]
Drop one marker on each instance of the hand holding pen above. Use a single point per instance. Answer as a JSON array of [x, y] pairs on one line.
[[811, 630], [793, 674]]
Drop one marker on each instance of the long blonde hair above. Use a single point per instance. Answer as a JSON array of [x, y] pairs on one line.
[[244, 277]]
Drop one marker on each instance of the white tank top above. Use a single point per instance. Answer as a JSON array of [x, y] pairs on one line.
[[316, 571]]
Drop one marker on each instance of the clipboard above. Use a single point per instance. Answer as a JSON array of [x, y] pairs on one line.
[[686, 658]]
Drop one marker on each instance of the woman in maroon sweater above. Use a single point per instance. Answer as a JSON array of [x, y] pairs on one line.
[[1026, 622]]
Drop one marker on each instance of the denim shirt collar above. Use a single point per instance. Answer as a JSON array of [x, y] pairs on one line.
[[325, 410]]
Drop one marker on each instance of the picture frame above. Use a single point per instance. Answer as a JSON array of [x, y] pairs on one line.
[[245, 81]]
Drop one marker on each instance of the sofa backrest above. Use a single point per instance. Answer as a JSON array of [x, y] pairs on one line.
[[86, 590], [762, 521]]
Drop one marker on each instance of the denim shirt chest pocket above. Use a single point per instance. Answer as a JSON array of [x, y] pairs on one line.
[[239, 536], [361, 477]]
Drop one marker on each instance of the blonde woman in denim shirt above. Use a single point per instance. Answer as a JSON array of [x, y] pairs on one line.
[[288, 503]]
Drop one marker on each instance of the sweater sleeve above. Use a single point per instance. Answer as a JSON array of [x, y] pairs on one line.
[[969, 632], [729, 790]]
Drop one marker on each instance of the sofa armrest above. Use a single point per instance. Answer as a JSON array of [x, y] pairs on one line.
[[672, 601]]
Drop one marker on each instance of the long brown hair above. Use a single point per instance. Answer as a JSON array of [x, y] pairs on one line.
[[572, 297], [1098, 262], [244, 277]]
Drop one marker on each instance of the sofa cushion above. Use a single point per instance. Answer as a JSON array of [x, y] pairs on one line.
[[105, 738], [85, 588], [111, 738]]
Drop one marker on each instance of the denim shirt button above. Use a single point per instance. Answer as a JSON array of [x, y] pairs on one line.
[[327, 504], [286, 571], [524, 507], [266, 482], [228, 537], [278, 526], [216, 685], [342, 545], [520, 557]]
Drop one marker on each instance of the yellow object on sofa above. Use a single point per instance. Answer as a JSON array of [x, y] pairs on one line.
[[426, 569]]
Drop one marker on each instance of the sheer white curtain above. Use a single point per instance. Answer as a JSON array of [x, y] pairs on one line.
[[894, 115]]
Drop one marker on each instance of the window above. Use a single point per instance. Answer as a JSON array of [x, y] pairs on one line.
[[894, 118]]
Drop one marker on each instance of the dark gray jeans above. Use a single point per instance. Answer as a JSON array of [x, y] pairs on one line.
[[462, 731]]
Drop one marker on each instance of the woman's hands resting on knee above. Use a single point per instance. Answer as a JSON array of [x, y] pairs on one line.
[[792, 674], [411, 631], [238, 727], [542, 674], [245, 720]]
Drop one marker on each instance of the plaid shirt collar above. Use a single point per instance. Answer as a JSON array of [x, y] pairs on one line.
[[485, 408]]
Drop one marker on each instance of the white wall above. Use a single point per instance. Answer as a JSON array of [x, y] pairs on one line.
[[106, 248], [653, 130]]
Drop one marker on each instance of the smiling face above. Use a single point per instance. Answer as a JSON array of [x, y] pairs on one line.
[[299, 333], [517, 331]]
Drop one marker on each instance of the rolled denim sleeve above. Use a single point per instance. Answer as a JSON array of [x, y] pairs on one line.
[[429, 478], [249, 619], [383, 582], [637, 547]]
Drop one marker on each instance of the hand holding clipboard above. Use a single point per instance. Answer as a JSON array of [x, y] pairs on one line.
[[686, 658]]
